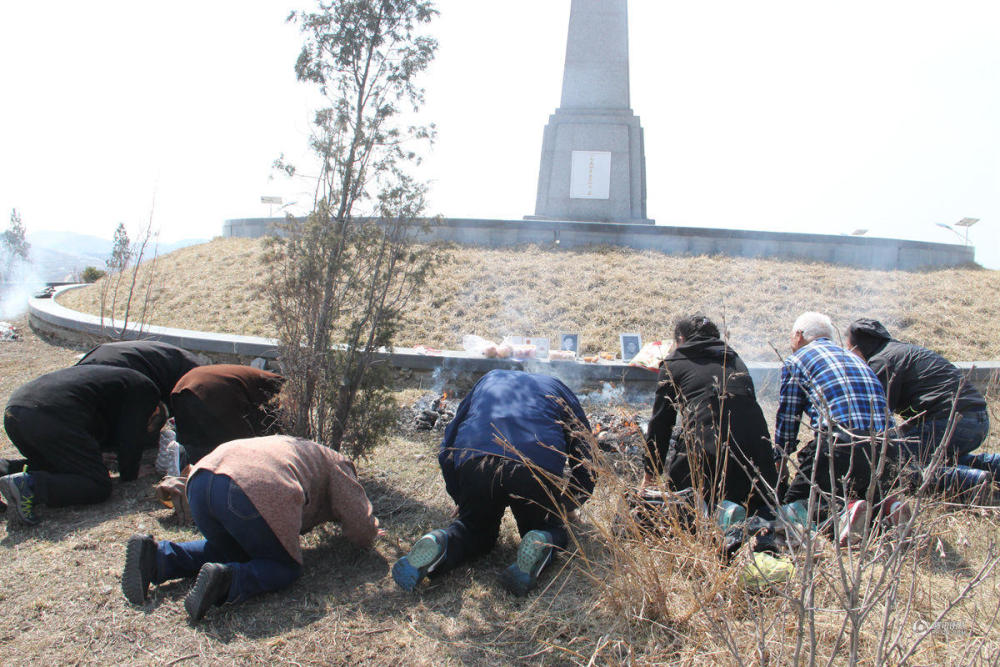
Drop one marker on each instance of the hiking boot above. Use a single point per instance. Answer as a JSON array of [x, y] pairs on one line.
[[211, 588], [19, 492], [853, 521], [533, 555], [140, 567], [728, 514], [425, 555]]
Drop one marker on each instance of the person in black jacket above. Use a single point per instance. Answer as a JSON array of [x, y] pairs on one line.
[[922, 386], [63, 422], [162, 363], [723, 444]]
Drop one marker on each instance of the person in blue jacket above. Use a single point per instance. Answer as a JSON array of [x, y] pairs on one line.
[[510, 444]]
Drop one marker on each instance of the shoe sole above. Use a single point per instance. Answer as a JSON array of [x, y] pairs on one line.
[[197, 604], [533, 555], [414, 566], [132, 585], [13, 496]]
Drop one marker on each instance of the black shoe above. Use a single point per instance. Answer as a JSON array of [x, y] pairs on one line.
[[211, 588], [140, 567]]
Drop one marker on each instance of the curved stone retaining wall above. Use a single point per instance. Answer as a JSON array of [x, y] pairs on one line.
[[863, 252], [56, 321]]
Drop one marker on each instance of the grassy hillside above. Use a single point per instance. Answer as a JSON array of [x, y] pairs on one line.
[[600, 293], [610, 600]]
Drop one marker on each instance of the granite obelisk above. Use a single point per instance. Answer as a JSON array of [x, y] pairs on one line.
[[593, 167]]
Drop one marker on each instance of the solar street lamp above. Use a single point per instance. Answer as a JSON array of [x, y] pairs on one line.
[[270, 201], [966, 222]]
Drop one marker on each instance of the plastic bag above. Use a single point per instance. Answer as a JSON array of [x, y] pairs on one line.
[[765, 570], [651, 355], [479, 345]]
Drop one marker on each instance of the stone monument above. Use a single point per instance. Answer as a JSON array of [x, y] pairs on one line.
[[593, 165]]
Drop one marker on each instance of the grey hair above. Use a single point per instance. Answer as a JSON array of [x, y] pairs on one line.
[[813, 326]]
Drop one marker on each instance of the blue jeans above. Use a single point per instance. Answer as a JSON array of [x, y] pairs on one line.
[[962, 470], [923, 439], [235, 535]]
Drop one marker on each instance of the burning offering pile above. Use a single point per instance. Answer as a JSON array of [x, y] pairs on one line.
[[620, 432], [432, 412]]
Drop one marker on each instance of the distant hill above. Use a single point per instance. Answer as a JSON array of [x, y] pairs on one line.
[[58, 256]]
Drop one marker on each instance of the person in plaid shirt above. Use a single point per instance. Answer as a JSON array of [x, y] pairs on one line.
[[845, 403]]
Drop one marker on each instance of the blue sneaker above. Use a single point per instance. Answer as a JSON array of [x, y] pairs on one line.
[[533, 555], [425, 555], [19, 492]]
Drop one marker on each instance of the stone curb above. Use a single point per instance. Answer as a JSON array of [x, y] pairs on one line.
[[50, 317]]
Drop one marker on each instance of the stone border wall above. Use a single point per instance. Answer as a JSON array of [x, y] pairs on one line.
[[857, 251], [449, 367]]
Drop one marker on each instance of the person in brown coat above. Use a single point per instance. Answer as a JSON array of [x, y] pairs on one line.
[[252, 499], [222, 402]]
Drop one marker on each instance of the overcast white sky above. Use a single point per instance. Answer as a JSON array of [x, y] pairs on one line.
[[779, 115]]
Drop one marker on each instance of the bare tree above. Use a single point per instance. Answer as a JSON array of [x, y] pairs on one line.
[[341, 277]]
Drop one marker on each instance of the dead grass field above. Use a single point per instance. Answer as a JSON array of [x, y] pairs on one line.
[[600, 293], [610, 603]]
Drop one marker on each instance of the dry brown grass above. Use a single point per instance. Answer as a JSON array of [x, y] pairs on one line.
[[60, 598], [602, 292]]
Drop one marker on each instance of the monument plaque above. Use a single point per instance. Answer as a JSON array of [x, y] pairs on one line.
[[590, 175]]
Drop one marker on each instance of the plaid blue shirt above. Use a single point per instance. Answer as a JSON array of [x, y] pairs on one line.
[[823, 373]]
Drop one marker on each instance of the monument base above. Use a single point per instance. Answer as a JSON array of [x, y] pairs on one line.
[[592, 167], [643, 221]]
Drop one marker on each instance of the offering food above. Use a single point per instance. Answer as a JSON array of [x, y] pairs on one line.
[[562, 355]]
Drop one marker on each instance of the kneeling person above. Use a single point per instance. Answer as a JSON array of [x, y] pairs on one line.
[[222, 402], [251, 499], [63, 422], [724, 448], [508, 445]]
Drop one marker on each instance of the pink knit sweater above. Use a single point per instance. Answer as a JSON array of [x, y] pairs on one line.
[[296, 485]]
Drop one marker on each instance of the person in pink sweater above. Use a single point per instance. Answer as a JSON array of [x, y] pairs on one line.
[[251, 499]]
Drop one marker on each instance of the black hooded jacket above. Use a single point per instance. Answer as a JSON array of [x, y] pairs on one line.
[[918, 380], [711, 386], [162, 363]]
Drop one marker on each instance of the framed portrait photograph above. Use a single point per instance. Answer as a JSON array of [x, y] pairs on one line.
[[631, 344], [569, 342]]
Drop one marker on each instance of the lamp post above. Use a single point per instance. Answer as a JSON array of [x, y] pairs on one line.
[[964, 222]]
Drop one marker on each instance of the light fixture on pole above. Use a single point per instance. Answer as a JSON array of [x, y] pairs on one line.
[[270, 201], [966, 222], [949, 228]]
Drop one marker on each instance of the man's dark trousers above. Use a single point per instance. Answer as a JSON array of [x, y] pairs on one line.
[[65, 464], [851, 460], [487, 486]]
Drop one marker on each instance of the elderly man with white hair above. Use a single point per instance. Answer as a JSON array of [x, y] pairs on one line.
[[846, 406]]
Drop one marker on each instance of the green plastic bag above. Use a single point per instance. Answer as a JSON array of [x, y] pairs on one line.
[[765, 570]]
